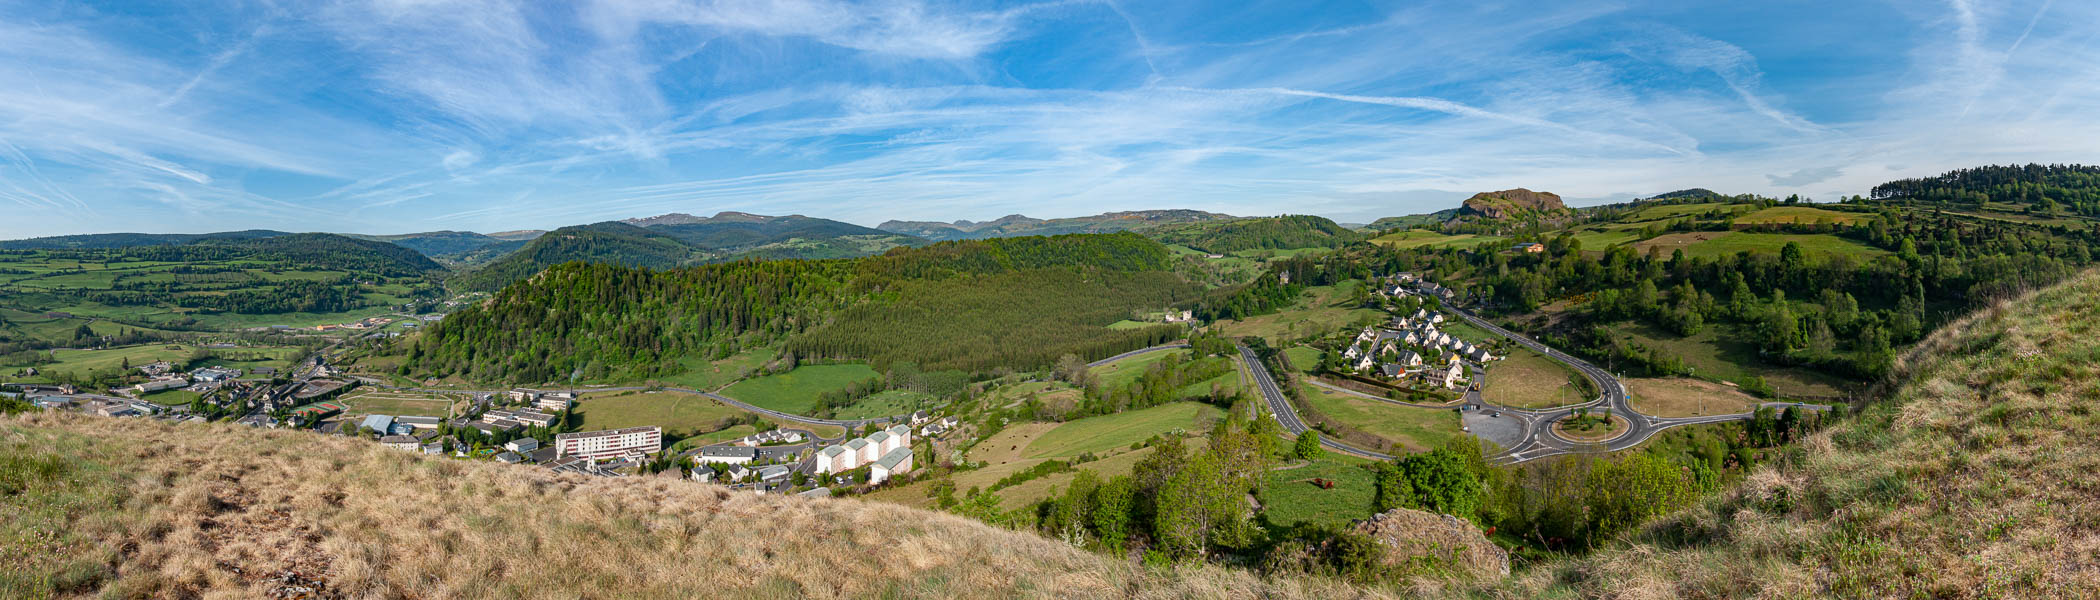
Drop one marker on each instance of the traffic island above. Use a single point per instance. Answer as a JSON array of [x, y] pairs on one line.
[[1590, 428]]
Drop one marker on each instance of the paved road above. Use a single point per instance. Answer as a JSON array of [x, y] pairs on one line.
[[1280, 407], [1166, 346], [1526, 435]]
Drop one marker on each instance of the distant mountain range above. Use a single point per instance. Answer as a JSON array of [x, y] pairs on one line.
[[1019, 225], [129, 240]]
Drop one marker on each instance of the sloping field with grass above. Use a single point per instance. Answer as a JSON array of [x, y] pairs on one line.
[[1801, 215], [131, 508], [1108, 432], [1714, 244], [795, 392], [1972, 479]]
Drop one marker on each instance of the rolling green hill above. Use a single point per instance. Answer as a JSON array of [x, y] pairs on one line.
[[734, 230], [2037, 188], [1018, 302], [331, 251], [1018, 225], [437, 243], [610, 242], [129, 240], [1289, 231]]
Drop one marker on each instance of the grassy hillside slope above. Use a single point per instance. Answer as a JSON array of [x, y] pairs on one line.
[[1972, 479], [134, 508]]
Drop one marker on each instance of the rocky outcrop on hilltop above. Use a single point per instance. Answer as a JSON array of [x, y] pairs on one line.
[[1509, 203], [1414, 539]]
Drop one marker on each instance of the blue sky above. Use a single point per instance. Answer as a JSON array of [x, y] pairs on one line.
[[413, 115]]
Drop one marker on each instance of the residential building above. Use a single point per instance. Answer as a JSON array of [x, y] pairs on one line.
[[1410, 359], [735, 473], [833, 459], [704, 474], [523, 445], [728, 455], [509, 458], [773, 473], [863, 452], [401, 442], [553, 402], [1530, 248], [596, 445], [896, 462], [900, 436], [533, 418], [1444, 377]]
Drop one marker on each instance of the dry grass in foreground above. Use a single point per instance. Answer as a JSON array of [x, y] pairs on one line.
[[138, 509], [1974, 480]]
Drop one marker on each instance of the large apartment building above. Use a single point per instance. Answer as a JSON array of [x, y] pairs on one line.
[[599, 445]]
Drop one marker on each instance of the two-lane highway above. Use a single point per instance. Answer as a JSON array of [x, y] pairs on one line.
[[1280, 407]]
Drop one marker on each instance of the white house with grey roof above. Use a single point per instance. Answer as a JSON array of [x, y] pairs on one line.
[[896, 462], [728, 455]]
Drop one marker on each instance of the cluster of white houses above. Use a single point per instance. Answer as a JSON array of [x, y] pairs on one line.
[[1401, 350], [886, 453]]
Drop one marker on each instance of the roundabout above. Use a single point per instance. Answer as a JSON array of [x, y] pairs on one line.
[[1590, 429]]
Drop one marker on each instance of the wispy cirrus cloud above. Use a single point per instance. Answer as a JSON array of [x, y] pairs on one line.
[[385, 115]]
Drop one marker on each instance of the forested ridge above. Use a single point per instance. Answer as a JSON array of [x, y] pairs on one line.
[[974, 304], [2043, 188], [610, 242], [331, 251], [1288, 231], [1838, 313]]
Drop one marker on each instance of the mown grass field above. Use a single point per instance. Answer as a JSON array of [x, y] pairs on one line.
[[1417, 238], [1716, 353], [1800, 215], [1529, 380], [1305, 359], [1120, 430], [1120, 373], [81, 362], [1594, 240], [795, 392], [682, 414], [703, 374], [1320, 311], [1289, 497], [1684, 397], [1411, 428], [171, 398], [1714, 244], [1671, 211], [887, 404]]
